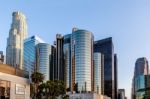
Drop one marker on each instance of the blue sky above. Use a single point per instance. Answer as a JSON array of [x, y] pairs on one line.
[[127, 21]]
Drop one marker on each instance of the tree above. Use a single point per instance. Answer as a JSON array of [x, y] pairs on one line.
[[55, 88], [37, 78]]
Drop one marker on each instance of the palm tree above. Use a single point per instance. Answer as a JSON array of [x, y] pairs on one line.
[[36, 78]]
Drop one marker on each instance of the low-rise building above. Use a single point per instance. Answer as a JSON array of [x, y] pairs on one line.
[[87, 96], [14, 83]]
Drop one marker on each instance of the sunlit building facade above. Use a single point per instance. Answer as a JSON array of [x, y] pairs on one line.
[[98, 73], [141, 67], [81, 59], [30, 53], [43, 59], [15, 41]]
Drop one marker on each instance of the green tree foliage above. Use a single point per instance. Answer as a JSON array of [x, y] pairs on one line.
[[37, 78], [47, 90]]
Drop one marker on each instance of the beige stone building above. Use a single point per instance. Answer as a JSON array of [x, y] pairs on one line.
[[15, 41], [14, 83]]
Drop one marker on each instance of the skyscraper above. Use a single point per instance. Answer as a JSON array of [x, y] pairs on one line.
[[98, 73], [141, 67], [43, 57], [30, 53], [59, 70], [106, 47], [1, 57], [67, 59], [82, 59], [138, 82], [17, 34], [116, 76], [53, 63]]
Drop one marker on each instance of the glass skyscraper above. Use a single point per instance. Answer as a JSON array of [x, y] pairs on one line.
[[141, 67], [67, 59], [105, 46], [141, 76], [30, 53], [98, 73], [81, 59], [142, 87], [43, 59]]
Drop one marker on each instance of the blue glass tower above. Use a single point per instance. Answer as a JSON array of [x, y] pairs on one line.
[[30, 53]]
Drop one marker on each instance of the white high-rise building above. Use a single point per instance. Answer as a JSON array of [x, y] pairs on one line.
[[17, 34]]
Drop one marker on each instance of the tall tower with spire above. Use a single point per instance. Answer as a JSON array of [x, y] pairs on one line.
[[15, 41]]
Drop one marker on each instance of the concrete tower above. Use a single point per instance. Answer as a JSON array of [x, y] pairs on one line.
[[17, 34]]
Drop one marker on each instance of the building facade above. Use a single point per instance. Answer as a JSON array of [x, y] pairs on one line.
[[67, 59], [142, 87], [141, 69], [105, 46], [116, 76], [98, 73], [82, 59], [43, 59], [17, 34], [1, 57], [14, 83], [52, 63], [59, 70], [121, 93], [30, 53]]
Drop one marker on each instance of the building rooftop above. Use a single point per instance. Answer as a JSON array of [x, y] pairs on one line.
[[13, 71]]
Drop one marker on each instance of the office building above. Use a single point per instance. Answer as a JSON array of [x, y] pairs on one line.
[[1, 57], [87, 96], [141, 67], [43, 59], [14, 83], [98, 73], [82, 60], [105, 46], [53, 63], [59, 70], [121, 93], [17, 34], [116, 76], [67, 60], [30, 53], [142, 87]]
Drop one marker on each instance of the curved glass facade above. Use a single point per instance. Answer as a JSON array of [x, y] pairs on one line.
[[141, 67], [67, 59], [82, 49], [44, 51], [97, 72]]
